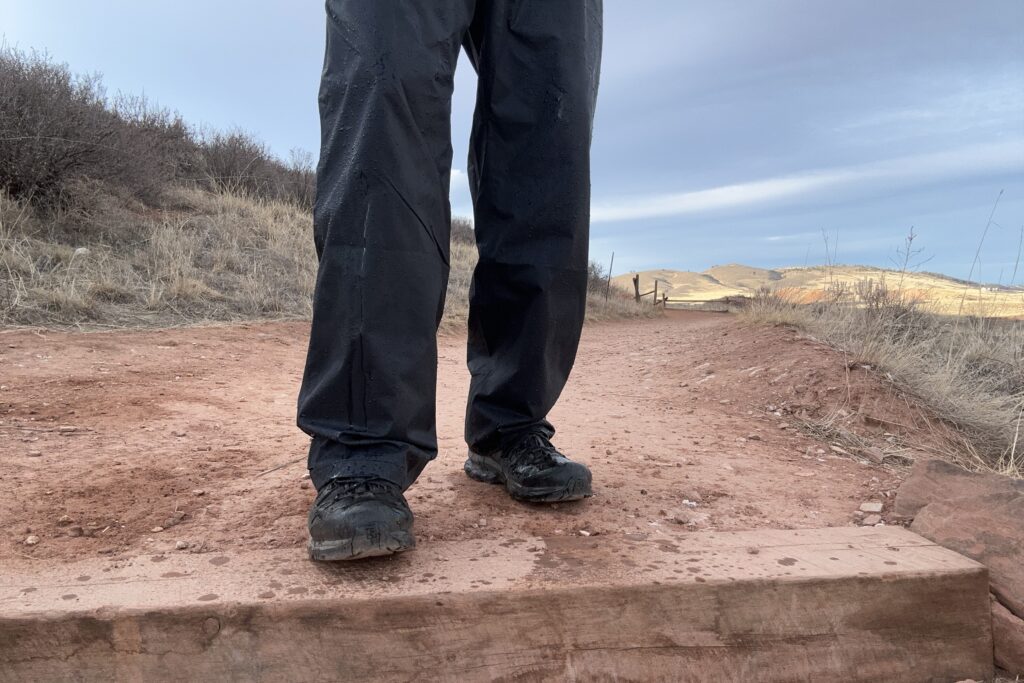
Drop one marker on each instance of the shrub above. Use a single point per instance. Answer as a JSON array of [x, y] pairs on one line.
[[58, 130]]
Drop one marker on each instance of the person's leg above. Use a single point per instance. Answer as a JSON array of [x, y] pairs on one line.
[[381, 228], [538, 64]]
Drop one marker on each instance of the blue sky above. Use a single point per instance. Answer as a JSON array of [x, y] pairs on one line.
[[727, 131]]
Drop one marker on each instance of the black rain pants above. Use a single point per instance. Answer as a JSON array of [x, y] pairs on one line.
[[382, 223]]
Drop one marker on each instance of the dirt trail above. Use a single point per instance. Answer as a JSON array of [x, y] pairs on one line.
[[127, 443]]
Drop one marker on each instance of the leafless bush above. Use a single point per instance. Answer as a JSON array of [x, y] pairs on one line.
[[57, 128], [462, 231], [60, 133], [237, 162]]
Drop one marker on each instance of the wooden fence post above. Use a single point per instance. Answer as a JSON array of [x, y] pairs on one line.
[[608, 287]]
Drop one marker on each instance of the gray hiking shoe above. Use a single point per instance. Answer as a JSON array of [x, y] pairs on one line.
[[356, 518], [532, 470]]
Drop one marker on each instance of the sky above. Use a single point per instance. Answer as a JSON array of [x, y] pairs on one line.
[[733, 131]]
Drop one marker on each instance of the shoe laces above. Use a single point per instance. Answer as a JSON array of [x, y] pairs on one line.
[[341, 488], [534, 449]]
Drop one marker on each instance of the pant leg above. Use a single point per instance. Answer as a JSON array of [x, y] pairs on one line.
[[538, 63], [381, 229]]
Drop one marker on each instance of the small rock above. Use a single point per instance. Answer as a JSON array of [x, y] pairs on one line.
[[181, 545], [66, 429], [483, 522], [64, 520], [870, 520], [32, 540], [198, 492], [643, 492], [176, 518], [872, 453], [838, 449], [783, 425], [583, 532], [690, 519], [178, 433], [753, 437], [753, 551], [871, 506], [157, 529], [75, 531], [35, 454]]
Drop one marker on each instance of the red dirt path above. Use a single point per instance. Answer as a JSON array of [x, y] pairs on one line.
[[171, 429]]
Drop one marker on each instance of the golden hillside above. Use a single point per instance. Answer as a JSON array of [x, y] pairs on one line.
[[937, 293]]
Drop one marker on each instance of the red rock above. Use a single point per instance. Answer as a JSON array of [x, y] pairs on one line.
[[978, 515], [1008, 638], [935, 480]]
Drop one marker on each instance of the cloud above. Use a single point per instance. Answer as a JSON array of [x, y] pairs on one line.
[[903, 171]]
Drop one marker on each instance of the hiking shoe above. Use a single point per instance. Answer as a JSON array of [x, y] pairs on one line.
[[532, 470], [355, 518]]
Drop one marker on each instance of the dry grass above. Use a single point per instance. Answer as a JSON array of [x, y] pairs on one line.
[[969, 370], [204, 256]]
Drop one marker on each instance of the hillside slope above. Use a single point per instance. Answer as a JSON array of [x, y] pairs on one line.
[[937, 293]]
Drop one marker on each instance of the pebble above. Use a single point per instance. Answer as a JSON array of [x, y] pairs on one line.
[[157, 529], [35, 454], [198, 492], [64, 520], [32, 540], [75, 531], [871, 507], [584, 532], [177, 517], [753, 437], [871, 520], [783, 425], [66, 429], [181, 545], [179, 433]]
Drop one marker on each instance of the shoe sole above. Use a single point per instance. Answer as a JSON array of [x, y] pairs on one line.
[[484, 470], [369, 541]]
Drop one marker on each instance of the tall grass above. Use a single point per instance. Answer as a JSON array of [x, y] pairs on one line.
[[968, 369], [209, 256]]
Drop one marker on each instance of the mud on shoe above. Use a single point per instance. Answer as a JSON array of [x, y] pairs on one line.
[[532, 470], [356, 518]]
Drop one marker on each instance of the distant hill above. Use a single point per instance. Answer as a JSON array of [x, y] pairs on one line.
[[939, 293]]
